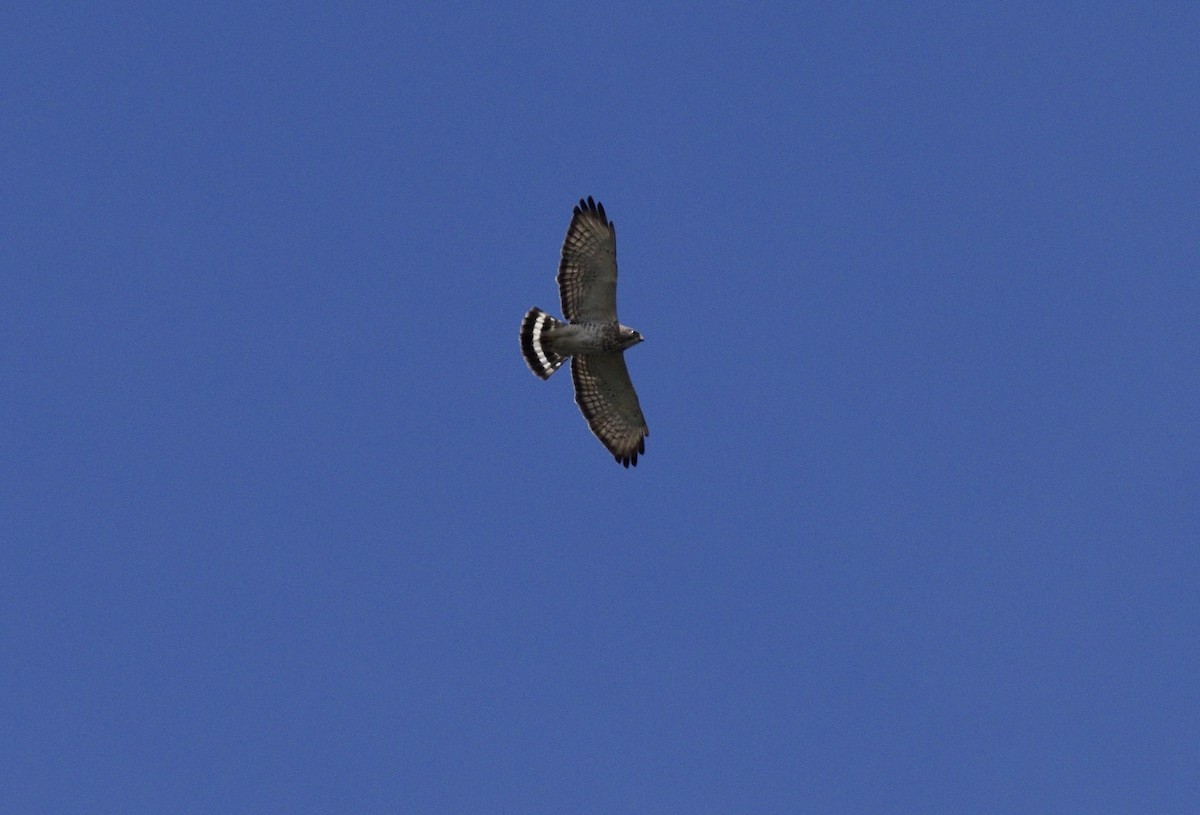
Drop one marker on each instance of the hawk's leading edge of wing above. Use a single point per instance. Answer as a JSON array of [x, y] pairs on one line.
[[587, 274], [608, 401]]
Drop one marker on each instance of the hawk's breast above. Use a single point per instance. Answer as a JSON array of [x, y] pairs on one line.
[[586, 338]]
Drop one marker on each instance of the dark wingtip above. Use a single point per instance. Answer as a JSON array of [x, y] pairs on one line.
[[627, 460], [589, 204]]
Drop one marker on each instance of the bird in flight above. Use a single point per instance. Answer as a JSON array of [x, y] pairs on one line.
[[592, 337]]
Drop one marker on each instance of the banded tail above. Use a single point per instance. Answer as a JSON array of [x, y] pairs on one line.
[[540, 359]]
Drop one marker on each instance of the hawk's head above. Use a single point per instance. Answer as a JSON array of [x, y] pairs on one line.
[[627, 337]]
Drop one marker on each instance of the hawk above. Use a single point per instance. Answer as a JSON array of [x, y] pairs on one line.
[[591, 337]]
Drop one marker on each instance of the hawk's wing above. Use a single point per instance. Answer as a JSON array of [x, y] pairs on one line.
[[587, 274], [610, 405]]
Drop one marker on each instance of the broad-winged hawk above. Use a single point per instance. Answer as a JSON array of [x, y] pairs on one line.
[[592, 337]]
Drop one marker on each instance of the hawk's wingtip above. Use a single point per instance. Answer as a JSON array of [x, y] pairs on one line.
[[589, 204]]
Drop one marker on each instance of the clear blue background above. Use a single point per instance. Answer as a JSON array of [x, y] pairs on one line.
[[289, 527]]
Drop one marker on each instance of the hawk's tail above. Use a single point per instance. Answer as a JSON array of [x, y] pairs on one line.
[[540, 359]]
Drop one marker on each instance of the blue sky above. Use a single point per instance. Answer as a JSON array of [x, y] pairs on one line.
[[289, 527]]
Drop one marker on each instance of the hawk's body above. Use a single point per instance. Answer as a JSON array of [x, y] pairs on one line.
[[593, 338]]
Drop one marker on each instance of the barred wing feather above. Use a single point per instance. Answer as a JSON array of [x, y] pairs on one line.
[[606, 397], [587, 273]]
